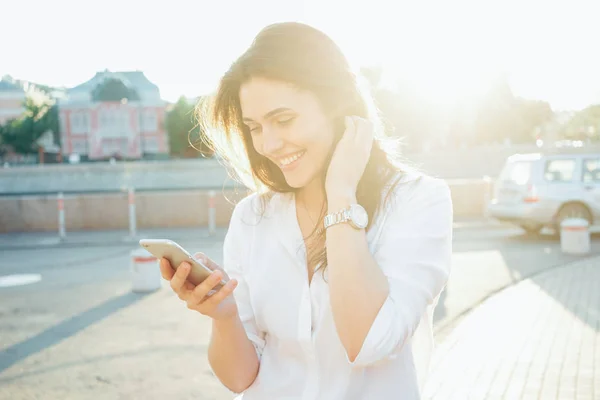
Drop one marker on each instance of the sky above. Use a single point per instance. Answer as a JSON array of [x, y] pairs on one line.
[[447, 49]]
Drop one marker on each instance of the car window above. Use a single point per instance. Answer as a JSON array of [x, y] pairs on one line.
[[561, 170], [517, 172], [591, 170]]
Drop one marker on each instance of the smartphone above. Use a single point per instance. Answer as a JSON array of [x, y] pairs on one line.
[[165, 248]]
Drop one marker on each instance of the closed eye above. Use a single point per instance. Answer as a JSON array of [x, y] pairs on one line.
[[285, 121], [254, 129]]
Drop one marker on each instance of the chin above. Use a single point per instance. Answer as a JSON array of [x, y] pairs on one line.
[[297, 182], [299, 178]]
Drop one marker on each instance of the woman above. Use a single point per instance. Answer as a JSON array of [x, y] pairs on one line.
[[337, 260]]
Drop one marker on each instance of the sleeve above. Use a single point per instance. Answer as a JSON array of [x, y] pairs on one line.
[[233, 256], [414, 253]]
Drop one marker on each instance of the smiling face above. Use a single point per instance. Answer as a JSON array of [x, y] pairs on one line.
[[289, 127]]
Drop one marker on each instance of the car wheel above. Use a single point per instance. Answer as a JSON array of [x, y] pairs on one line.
[[531, 229], [572, 210]]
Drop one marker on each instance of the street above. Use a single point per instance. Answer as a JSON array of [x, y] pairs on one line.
[[79, 332]]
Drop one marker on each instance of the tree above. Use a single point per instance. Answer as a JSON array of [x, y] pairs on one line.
[[113, 89], [184, 132], [498, 115], [404, 113], [584, 124], [533, 114], [502, 116], [21, 134]]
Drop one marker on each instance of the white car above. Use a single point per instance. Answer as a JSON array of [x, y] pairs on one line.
[[541, 190]]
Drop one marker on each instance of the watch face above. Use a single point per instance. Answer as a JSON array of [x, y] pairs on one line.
[[359, 216]]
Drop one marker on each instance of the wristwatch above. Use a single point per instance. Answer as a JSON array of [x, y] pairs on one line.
[[354, 214]]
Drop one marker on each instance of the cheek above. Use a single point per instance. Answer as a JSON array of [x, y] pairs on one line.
[[318, 139], [257, 144]]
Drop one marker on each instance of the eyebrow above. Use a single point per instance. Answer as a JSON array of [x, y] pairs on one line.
[[270, 113]]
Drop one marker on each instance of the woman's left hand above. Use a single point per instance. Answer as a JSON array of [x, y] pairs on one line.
[[349, 159]]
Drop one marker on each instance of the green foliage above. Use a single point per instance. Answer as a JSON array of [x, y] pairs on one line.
[[20, 135], [184, 132], [584, 124], [113, 89]]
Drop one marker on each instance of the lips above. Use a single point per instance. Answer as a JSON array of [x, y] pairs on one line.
[[290, 160]]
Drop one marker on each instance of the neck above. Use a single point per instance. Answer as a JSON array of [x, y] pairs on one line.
[[312, 196]]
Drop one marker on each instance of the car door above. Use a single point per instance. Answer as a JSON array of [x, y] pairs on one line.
[[591, 184]]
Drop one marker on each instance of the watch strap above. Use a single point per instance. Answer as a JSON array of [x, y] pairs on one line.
[[336, 218]]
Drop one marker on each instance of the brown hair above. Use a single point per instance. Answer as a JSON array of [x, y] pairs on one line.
[[308, 59]]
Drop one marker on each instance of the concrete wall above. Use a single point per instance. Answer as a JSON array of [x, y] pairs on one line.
[[187, 208], [92, 177], [177, 208]]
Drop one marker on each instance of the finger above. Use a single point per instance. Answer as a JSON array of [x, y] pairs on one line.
[[364, 134], [203, 258], [218, 297], [213, 266], [180, 276], [166, 270], [350, 128], [200, 292]]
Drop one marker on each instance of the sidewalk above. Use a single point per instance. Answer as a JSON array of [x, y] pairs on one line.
[[539, 339], [25, 240]]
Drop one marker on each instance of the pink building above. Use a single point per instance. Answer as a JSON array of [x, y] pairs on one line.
[[114, 114], [12, 97]]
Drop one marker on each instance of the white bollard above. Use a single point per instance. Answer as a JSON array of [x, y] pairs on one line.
[[61, 215], [575, 236], [212, 212], [132, 219], [145, 271]]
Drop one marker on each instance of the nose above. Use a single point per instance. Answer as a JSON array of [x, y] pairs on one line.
[[272, 142]]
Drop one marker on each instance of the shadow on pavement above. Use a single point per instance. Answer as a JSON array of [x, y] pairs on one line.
[[169, 351], [531, 257], [57, 333]]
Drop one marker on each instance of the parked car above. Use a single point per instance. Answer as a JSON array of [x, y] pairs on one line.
[[542, 190]]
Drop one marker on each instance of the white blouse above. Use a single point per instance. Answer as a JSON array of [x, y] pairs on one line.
[[290, 321]]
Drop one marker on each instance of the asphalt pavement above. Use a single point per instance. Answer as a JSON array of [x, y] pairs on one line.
[[77, 330]]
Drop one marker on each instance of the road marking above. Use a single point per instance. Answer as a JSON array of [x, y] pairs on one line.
[[19, 279]]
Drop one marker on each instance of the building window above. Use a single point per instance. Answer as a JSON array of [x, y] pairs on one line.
[[149, 122], [150, 144], [113, 123], [114, 147], [79, 145], [80, 122]]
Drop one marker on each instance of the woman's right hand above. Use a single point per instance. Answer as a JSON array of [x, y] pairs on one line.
[[219, 305]]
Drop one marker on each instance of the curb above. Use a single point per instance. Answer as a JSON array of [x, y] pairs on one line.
[[481, 224], [57, 243]]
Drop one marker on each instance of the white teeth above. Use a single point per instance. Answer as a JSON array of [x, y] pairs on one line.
[[288, 160]]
